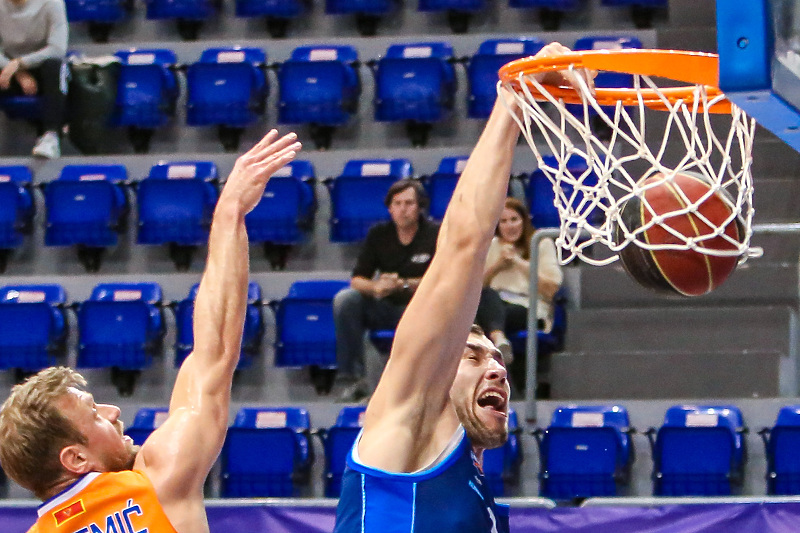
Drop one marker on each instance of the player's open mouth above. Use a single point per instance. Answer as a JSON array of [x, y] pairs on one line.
[[493, 399]]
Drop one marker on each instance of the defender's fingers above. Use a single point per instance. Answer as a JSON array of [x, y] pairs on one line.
[[274, 147], [266, 140], [279, 156]]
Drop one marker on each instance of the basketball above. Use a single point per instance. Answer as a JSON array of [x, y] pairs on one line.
[[682, 272]]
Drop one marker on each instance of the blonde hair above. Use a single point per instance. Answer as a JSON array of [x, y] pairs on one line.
[[33, 431]]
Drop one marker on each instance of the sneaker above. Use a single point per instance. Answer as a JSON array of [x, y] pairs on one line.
[[354, 393], [48, 146]]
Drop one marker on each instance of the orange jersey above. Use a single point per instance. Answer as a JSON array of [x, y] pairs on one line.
[[114, 502]]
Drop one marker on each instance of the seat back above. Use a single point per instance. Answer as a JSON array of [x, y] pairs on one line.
[[541, 196], [306, 333], [107, 11], [286, 210], [483, 68], [452, 5], [415, 82], [783, 461], [367, 7], [226, 86], [147, 420], [442, 184], [319, 85], [357, 196], [270, 8], [32, 327], [503, 462], [180, 9], [147, 89], [339, 441], [16, 204], [176, 203]]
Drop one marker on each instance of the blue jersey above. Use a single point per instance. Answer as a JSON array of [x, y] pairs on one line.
[[450, 497]]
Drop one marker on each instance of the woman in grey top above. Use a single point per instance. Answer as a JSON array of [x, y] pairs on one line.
[[33, 43]]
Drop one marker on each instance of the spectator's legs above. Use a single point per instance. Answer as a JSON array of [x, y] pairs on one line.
[[51, 78], [517, 320], [491, 315]]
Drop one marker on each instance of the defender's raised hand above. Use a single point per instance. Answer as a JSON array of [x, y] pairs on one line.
[[253, 169]]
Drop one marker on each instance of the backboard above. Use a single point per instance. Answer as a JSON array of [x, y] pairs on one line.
[[758, 42]]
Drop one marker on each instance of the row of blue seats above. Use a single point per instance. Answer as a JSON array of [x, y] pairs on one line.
[[699, 450], [268, 451], [320, 85], [87, 206], [103, 14]]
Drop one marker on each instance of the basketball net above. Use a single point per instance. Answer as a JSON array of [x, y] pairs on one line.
[[724, 161]]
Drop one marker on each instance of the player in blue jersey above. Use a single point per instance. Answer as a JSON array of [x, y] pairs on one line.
[[416, 466]]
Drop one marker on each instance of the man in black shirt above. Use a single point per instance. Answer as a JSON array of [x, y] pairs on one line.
[[390, 265]]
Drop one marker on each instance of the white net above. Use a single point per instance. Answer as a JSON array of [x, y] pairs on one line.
[[589, 197]]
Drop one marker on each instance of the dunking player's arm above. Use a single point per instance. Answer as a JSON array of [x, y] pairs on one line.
[[410, 417], [178, 456]]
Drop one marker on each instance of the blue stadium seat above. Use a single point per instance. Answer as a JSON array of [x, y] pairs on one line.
[[86, 207], [189, 14], [278, 13], [415, 83], [176, 203], [267, 452], [541, 197], [227, 88], [586, 451], [550, 11], [285, 214], [382, 339], [501, 465], [483, 67], [338, 441], [22, 108], [16, 209], [357, 195], [304, 320], [121, 326], [698, 451], [147, 420], [781, 443], [319, 86], [33, 328], [252, 335], [147, 93], [100, 14], [368, 13], [441, 184], [642, 11]]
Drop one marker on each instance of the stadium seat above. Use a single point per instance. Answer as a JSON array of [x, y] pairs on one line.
[[278, 13], [252, 335], [189, 14], [306, 335], [319, 86], [101, 15], [22, 108], [267, 452], [459, 12], [415, 83], [441, 184], [121, 327], [642, 11], [86, 207], [501, 465], [17, 209], [338, 441], [147, 420], [228, 89], [357, 195], [147, 93], [368, 13], [586, 451], [176, 203], [551, 12], [483, 67], [781, 443], [285, 214], [698, 451], [33, 328], [541, 197]]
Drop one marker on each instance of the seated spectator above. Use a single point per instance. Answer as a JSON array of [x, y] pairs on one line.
[[390, 265], [504, 299], [33, 43]]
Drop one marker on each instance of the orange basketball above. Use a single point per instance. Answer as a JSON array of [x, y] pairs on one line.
[[684, 272]]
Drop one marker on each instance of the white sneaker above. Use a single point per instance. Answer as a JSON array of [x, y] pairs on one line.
[[48, 146]]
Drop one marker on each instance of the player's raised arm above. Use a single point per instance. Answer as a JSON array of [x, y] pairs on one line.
[[178, 456]]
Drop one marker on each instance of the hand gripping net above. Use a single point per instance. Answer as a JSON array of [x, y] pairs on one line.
[[720, 154]]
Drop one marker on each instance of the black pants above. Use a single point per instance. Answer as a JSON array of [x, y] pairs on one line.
[[51, 79]]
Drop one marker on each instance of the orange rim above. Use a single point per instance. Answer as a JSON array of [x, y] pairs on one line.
[[694, 68]]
